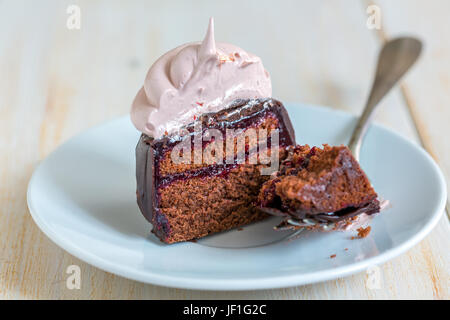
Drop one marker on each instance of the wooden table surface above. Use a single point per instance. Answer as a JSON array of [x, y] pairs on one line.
[[57, 82]]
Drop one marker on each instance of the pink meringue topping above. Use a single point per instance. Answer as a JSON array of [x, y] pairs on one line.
[[193, 79]]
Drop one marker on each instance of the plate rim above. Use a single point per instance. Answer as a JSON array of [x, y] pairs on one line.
[[258, 283]]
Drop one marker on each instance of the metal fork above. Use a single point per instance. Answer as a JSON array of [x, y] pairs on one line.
[[394, 60]]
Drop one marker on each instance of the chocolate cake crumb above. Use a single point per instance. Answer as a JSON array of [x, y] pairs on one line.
[[364, 232]]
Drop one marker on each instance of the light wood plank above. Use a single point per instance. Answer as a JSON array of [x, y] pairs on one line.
[[427, 89]]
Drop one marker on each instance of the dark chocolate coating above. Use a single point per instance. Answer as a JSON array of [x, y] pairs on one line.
[[145, 176]]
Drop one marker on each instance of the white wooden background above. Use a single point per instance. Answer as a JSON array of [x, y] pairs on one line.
[[55, 82]]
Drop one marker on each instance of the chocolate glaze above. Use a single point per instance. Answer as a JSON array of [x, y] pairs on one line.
[[149, 152], [343, 214]]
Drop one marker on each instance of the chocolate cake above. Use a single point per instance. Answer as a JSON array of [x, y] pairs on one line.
[[318, 188], [211, 140], [190, 200]]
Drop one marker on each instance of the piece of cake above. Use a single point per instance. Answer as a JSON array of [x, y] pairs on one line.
[[319, 189], [211, 135], [185, 201]]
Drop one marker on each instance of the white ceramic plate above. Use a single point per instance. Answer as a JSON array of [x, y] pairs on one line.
[[83, 197]]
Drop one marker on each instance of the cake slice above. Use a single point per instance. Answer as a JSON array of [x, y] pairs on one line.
[[211, 136], [319, 188], [192, 199]]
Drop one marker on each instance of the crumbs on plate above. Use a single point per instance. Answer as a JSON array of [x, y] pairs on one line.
[[362, 232]]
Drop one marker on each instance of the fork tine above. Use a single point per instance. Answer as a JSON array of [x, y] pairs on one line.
[[295, 235]]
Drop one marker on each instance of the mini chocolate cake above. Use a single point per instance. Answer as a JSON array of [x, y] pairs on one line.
[[319, 188], [186, 201]]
